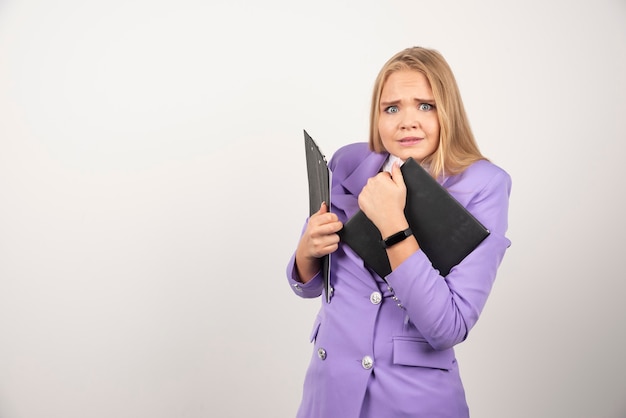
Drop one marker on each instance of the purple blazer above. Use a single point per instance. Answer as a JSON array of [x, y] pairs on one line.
[[387, 351]]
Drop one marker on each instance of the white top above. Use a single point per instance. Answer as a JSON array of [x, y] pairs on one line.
[[390, 161]]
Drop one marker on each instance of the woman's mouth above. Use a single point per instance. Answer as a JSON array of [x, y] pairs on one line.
[[410, 140]]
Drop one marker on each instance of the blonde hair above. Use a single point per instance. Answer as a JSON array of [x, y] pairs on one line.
[[457, 148]]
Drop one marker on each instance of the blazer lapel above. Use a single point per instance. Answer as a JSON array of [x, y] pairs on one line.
[[346, 191]]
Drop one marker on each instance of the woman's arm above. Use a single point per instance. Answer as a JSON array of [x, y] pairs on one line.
[[319, 239], [383, 200], [445, 309]]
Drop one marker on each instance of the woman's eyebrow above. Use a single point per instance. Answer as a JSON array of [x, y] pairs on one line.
[[416, 99], [389, 103]]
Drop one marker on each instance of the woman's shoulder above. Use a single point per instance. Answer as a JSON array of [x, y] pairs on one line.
[[482, 174], [485, 169], [356, 150], [349, 155]]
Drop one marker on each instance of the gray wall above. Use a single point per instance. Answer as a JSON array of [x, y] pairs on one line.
[[152, 188]]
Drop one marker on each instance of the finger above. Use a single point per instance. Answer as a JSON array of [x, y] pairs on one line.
[[319, 219], [323, 208], [330, 241], [325, 251], [382, 175], [397, 176], [325, 245], [330, 248], [335, 226], [322, 216], [328, 229]]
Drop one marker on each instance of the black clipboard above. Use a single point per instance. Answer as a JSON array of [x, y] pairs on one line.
[[444, 229], [319, 191]]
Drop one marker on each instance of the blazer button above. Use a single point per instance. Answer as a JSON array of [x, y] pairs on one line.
[[376, 298], [367, 362], [321, 353]]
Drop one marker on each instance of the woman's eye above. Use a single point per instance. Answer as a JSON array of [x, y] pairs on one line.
[[392, 109], [426, 107]]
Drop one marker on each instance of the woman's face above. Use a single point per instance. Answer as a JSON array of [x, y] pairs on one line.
[[408, 123]]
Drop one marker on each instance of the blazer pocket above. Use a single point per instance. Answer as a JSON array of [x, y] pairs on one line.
[[316, 328], [410, 351]]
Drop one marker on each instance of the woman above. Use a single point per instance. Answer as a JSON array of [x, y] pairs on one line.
[[384, 347]]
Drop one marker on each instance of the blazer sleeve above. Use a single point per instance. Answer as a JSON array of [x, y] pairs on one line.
[[311, 289], [444, 309]]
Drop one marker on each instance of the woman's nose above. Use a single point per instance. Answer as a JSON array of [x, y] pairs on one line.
[[410, 119]]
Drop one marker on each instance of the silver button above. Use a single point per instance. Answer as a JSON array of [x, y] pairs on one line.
[[297, 287], [321, 353], [376, 298], [367, 362]]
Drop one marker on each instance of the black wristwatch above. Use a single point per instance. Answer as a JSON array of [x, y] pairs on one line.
[[396, 238]]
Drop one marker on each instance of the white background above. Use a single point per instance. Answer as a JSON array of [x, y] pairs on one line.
[[153, 187]]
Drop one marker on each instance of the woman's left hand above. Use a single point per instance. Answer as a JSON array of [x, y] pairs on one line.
[[383, 199]]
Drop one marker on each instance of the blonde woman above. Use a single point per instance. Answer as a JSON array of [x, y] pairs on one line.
[[383, 347]]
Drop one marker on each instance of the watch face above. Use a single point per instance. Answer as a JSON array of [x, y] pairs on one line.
[[397, 237]]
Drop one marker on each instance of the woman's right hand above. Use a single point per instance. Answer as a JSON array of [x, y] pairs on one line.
[[319, 239]]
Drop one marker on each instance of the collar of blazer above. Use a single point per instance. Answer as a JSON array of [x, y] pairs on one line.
[[349, 184]]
